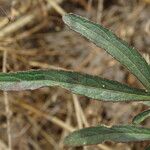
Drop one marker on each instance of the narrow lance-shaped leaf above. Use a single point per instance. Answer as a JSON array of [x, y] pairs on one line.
[[119, 49], [99, 134], [84, 84], [141, 117], [147, 148]]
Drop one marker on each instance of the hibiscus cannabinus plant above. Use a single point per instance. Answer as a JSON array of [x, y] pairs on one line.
[[93, 86]]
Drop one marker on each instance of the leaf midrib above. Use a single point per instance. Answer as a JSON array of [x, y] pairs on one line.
[[132, 62]]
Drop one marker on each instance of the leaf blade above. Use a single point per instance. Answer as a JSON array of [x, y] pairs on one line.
[[83, 84], [99, 134], [147, 148], [141, 117], [119, 49]]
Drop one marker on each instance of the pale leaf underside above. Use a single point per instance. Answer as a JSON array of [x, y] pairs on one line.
[[91, 86]]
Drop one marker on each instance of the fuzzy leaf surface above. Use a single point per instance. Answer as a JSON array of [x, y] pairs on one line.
[[118, 48], [99, 134], [91, 86]]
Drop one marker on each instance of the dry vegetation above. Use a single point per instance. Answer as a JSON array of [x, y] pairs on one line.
[[33, 36]]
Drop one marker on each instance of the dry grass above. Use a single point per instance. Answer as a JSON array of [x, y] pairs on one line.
[[33, 36]]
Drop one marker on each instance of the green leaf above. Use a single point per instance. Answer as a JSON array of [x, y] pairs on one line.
[[148, 148], [84, 84], [141, 117], [119, 49], [99, 134]]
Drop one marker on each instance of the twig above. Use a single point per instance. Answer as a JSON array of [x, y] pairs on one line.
[[3, 146], [99, 11], [11, 28], [39, 113], [7, 107], [147, 58], [24, 20], [43, 133], [56, 7], [3, 22], [89, 8], [77, 111]]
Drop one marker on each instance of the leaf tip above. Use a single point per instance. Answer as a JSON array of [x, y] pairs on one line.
[[66, 18], [70, 19]]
